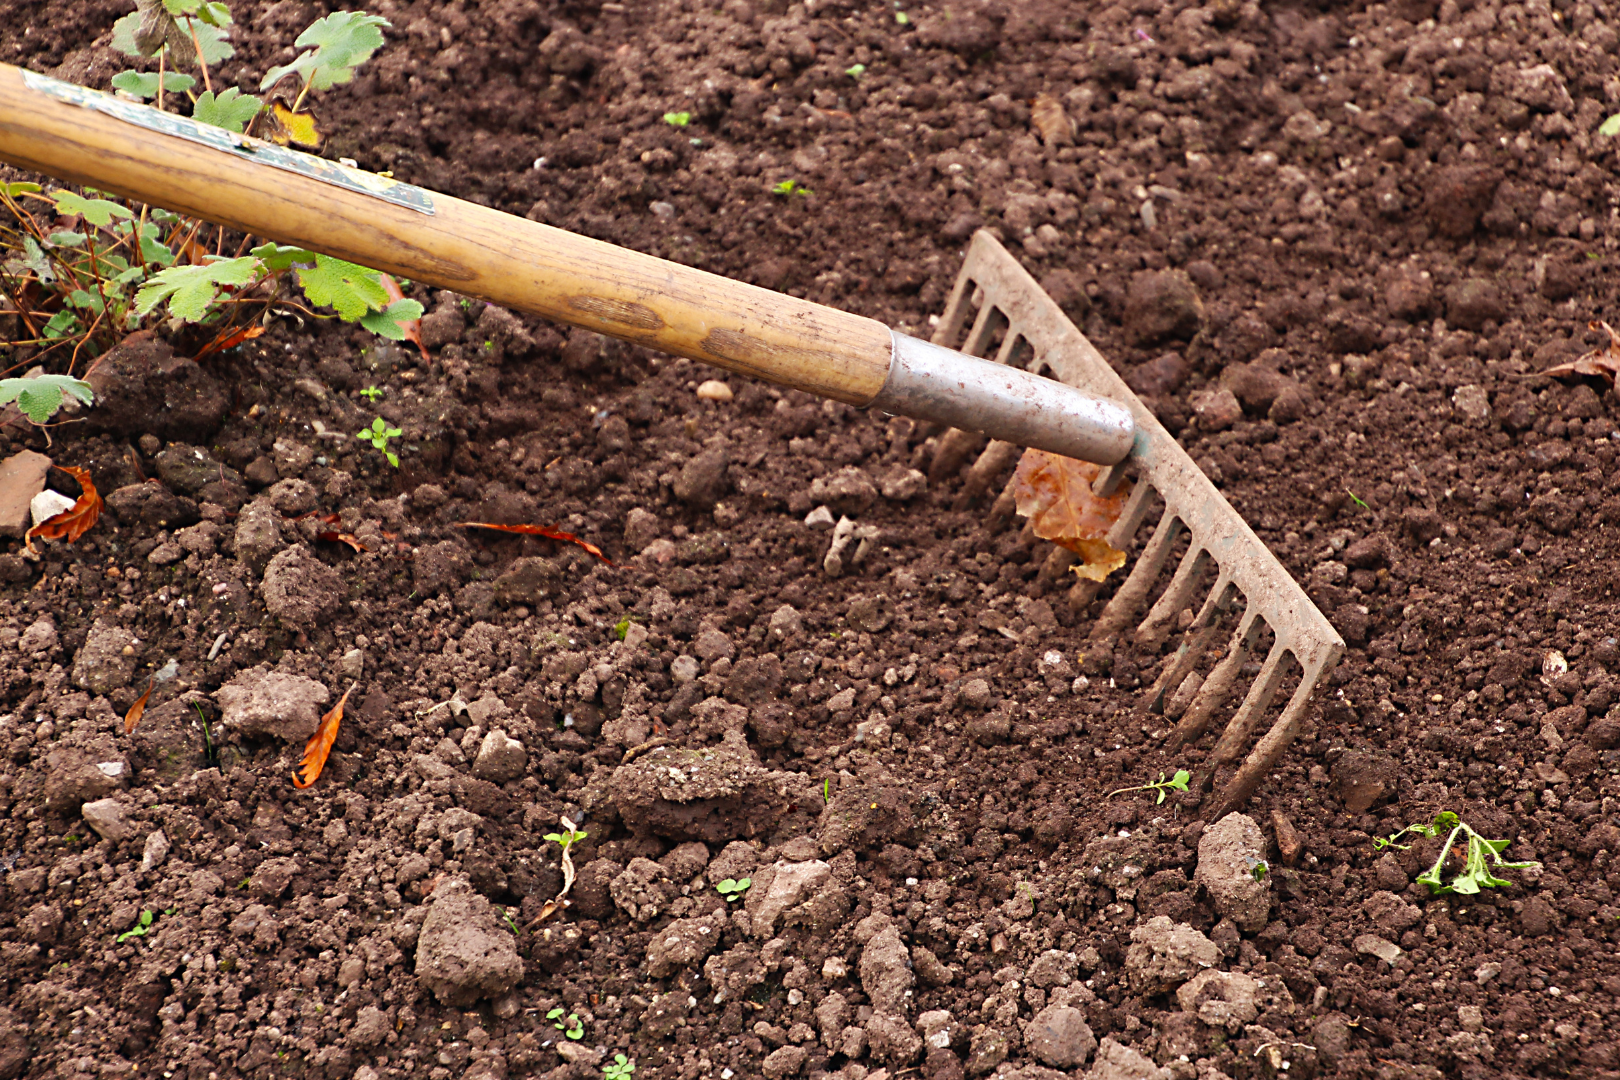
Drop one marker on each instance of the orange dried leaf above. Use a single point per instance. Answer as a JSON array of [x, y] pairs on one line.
[[76, 520], [320, 744], [342, 538], [1601, 363], [229, 339], [412, 327], [539, 530], [1055, 493], [136, 710]]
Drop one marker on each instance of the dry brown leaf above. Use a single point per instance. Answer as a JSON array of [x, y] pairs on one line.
[[320, 744], [538, 530], [76, 520], [1055, 493], [138, 709], [1051, 121], [1601, 363]]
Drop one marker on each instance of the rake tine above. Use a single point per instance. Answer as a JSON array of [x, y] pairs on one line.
[[1154, 629], [1119, 535], [1244, 722], [1266, 751], [1128, 600], [1212, 695], [956, 309], [991, 463], [1200, 635], [984, 325]]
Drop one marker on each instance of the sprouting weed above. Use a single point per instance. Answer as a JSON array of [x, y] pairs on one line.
[[1161, 786], [378, 435], [733, 888]]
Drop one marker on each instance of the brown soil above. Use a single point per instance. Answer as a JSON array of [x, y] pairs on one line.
[[1391, 215]]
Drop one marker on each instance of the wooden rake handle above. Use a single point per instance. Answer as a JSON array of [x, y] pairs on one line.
[[85, 137]]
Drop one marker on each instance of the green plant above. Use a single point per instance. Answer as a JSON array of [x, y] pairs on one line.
[[567, 838], [790, 187], [1258, 868], [1475, 874], [855, 71], [1356, 499], [39, 396], [511, 923], [378, 435], [371, 393], [1610, 127], [571, 1025], [142, 927], [733, 888], [621, 629], [1177, 782], [619, 1068], [826, 790], [677, 119]]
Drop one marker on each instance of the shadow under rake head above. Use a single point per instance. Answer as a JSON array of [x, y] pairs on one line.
[[1014, 316]]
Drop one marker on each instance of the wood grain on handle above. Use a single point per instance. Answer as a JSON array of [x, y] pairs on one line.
[[462, 246]]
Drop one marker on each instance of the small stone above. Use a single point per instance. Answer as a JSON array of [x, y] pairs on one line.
[[22, 476], [848, 491], [464, 951], [1473, 302], [785, 1061], [1221, 999], [1227, 854], [820, 519], [1410, 295], [702, 480], [106, 816], [353, 664], [1060, 1037], [39, 638], [641, 527], [886, 973], [1373, 945], [156, 850], [711, 645], [903, 485], [785, 622], [258, 533], [106, 660], [870, 614], [1472, 402], [47, 504], [1164, 954], [683, 669], [1161, 304], [500, 758], [791, 885], [260, 703], [976, 693], [1471, 1018], [1216, 410], [714, 390], [683, 944]]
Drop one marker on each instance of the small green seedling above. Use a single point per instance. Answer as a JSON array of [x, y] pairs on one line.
[[1475, 874], [1610, 127], [1177, 782], [40, 396], [371, 393], [511, 923], [566, 839], [621, 629], [142, 927], [855, 71], [619, 1068], [826, 790], [677, 119], [733, 888], [790, 187], [1356, 499], [1258, 868], [378, 435], [902, 18], [570, 1025]]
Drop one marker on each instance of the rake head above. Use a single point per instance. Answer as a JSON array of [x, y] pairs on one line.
[[1233, 585]]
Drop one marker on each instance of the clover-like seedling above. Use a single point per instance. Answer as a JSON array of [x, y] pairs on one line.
[[566, 839], [1177, 782], [619, 1068], [677, 119], [378, 435], [733, 888], [142, 927], [371, 393], [40, 396], [790, 187], [568, 1023], [1475, 874]]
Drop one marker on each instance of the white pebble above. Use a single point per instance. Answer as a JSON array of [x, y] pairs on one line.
[[714, 390]]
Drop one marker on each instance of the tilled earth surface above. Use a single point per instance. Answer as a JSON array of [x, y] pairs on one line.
[[1330, 244]]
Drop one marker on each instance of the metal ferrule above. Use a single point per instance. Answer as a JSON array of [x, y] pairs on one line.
[[930, 382]]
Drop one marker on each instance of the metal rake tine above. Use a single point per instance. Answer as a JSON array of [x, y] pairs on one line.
[[1212, 695], [1266, 752], [1128, 600], [1119, 534], [1200, 635], [984, 325], [1153, 629], [1247, 718]]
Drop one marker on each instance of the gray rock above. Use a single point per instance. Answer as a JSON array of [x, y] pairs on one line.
[[1163, 955], [1118, 1062], [683, 944], [300, 590], [848, 491], [937, 1028], [259, 703], [1060, 1037], [784, 1062], [1161, 304], [1221, 999], [22, 476], [903, 485], [1373, 945], [156, 850], [258, 533], [641, 528], [1472, 402], [820, 519], [710, 645], [785, 622], [1227, 853], [106, 660], [791, 885], [702, 480], [886, 972], [465, 952], [106, 816], [500, 758], [40, 637], [891, 1040]]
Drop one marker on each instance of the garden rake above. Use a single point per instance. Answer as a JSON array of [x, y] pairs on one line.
[[1084, 411]]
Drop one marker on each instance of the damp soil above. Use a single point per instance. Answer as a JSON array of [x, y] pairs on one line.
[[1330, 245]]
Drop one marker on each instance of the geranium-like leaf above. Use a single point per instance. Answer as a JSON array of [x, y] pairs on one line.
[[97, 212], [230, 109], [348, 289], [190, 290], [338, 44], [278, 258], [391, 321], [40, 396]]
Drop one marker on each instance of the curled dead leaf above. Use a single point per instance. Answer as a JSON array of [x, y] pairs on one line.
[[1056, 494], [539, 530], [319, 746], [1051, 121], [138, 709], [77, 519], [1602, 362]]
